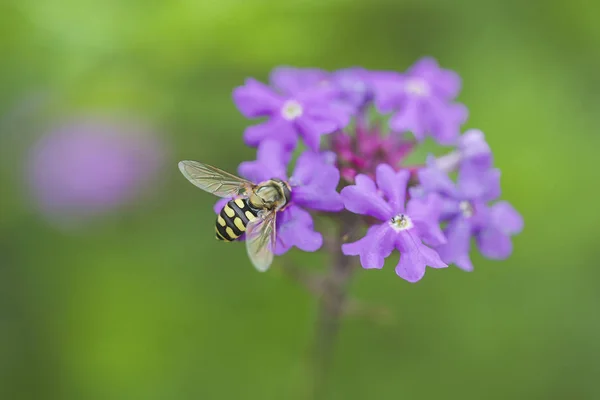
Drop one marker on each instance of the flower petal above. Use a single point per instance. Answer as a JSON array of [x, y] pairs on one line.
[[308, 197], [393, 185], [334, 111], [425, 213], [412, 264], [354, 86], [456, 250], [387, 88], [255, 99], [315, 181], [445, 120], [446, 83], [275, 129], [474, 149], [410, 267], [491, 183], [410, 119], [474, 183], [362, 198], [271, 161], [415, 256], [494, 244], [295, 228], [292, 80], [319, 95], [506, 218], [219, 204], [374, 247], [433, 179], [312, 128], [309, 164]]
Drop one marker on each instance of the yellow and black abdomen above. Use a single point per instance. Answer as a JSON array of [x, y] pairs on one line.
[[233, 219]]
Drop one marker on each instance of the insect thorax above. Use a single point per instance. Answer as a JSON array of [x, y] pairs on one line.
[[273, 194]]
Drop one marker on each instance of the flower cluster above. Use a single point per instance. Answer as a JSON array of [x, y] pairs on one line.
[[353, 130]]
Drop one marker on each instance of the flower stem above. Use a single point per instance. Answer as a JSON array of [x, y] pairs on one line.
[[331, 307]]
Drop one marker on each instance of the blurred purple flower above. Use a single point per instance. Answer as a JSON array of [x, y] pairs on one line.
[[314, 182], [308, 112], [422, 101], [467, 210], [406, 228], [290, 80], [90, 167], [471, 149], [351, 85]]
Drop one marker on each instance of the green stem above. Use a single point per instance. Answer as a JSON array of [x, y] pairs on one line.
[[331, 308]]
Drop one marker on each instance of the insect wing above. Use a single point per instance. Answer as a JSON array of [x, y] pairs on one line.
[[213, 180], [260, 240]]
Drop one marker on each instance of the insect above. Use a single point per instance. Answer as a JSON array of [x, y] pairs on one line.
[[252, 209]]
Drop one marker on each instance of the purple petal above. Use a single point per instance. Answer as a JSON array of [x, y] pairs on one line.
[[387, 88], [292, 80], [433, 179], [311, 130], [415, 256], [275, 129], [320, 95], [336, 112], [315, 182], [506, 218], [219, 205], [354, 86], [446, 120], [271, 161], [393, 185], [446, 83], [425, 213], [324, 201], [494, 244], [409, 119], [474, 149], [374, 248], [474, 183], [255, 99], [295, 228], [456, 250], [309, 164], [362, 198], [492, 185]]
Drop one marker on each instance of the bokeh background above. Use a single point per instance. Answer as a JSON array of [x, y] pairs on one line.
[[118, 290]]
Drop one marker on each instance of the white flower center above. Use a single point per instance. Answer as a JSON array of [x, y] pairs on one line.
[[401, 222], [466, 209], [417, 86], [291, 110]]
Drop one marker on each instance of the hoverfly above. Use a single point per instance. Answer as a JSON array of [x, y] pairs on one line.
[[252, 209]]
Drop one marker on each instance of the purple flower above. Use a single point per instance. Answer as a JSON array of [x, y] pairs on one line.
[[89, 167], [314, 182], [351, 85], [472, 149], [406, 228], [308, 112], [290, 80], [467, 210], [422, 100]]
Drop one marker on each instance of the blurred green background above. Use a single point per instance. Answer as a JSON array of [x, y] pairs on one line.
[[142, 303]]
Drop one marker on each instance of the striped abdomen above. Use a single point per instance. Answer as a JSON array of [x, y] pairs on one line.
[[233, 219]]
